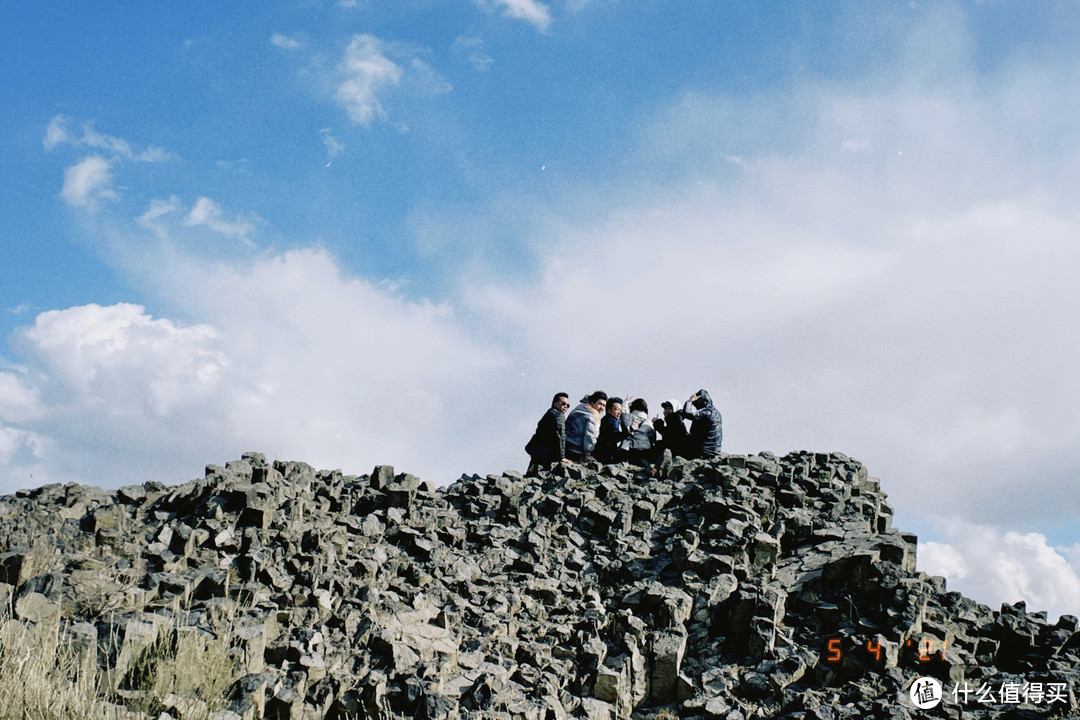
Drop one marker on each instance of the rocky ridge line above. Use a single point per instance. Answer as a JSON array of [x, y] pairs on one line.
[[740, 587]]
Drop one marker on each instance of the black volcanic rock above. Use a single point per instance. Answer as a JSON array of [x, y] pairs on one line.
[[745, 586]]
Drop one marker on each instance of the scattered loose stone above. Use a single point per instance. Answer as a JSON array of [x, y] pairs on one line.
[[739, 587]]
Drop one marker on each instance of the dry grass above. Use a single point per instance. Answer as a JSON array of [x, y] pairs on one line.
[[186, 667], [42, 558], [43, 677], [97, 592], [49, 673], [664, 714]]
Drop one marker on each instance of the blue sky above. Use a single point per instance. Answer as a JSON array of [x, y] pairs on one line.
[[357, 233]]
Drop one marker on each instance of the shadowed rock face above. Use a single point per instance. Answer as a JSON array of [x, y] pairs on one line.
[[745, 586]]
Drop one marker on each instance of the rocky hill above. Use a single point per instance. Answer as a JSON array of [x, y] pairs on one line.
[[746, 586]]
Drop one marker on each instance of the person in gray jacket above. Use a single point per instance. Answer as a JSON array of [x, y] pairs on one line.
[[706, 425], [641, 441], [583, 426]]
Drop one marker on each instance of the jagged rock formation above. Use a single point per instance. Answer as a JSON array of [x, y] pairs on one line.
[[746, 586]]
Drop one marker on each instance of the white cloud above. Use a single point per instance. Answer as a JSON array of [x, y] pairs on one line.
[[94, 139], [158, 210], [18, 402], [100, 352], [292, 358], [481, 62], [473, 49], [92, 177], [20, 451], [425, 80], [240, 167], [993, 567], [113, 382], [88, 179], [373, 73], [57, 133], [285, 42], [365, 70], [154, 154], [536, 13], [334, 147], [208, 213]]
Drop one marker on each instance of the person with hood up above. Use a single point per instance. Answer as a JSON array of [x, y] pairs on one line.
[[672, 429], [583, 426], [706, 426]]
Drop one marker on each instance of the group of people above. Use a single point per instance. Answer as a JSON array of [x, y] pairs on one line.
[[613, 430]]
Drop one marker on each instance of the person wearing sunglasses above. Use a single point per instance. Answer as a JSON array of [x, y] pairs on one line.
[[548, 444]]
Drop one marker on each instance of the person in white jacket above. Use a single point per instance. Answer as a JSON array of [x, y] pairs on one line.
[[583, 426]]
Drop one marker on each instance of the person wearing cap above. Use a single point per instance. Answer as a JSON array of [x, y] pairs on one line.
[[706, 425], [672, 429]]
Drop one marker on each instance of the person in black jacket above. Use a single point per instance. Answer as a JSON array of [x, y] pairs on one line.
[[706, 426], [548, 444], [612, 432], [672, 430]]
